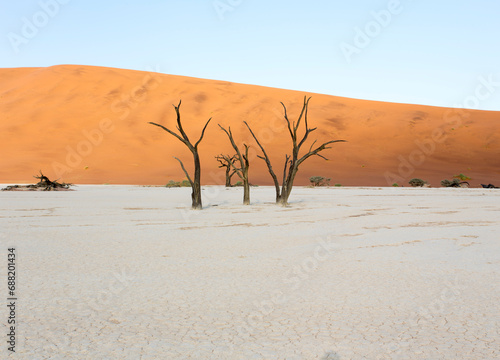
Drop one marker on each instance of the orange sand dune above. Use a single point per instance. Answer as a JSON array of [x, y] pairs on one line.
[[89, 125]]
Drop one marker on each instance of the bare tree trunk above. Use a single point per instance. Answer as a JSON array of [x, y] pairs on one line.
[[196, 181], [196, 186], [246, 188], [228, 176], [289, 185]]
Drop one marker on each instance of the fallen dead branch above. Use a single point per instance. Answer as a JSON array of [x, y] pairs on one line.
[[45, 184]]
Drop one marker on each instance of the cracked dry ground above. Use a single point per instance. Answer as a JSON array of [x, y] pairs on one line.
[[124, 272]]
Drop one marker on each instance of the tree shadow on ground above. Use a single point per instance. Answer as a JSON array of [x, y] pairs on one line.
[[331, 355]]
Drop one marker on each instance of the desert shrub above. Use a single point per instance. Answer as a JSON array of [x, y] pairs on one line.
[[448, 183], [173, 183], [338, 185], [417, 182], [395, 185], [462, 177], [319, 181], [238, 183], [316, 180], [183, 183]]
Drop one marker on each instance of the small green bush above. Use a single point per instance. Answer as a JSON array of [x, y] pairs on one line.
[[183, 183], [395, 185], [417, 182], [448, 183], [173, 183], [319, 181], [338, 185], [462, 177]]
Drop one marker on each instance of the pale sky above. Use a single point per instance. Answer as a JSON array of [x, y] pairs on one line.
[[411, 51]]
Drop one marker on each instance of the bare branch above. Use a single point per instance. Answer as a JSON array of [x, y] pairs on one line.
[[222, 164], [170, 132], [257, 141], [307, 109], [265, 158], [304, 110], [317, 150], [308, 131], [321, 156], [227, 133], [227, 160], [239, 157], [310, 147], [236, 170], [235, 147], [202, 134], [179, 125], [288, 121], [287, 158], [224, 157], [184, 169]]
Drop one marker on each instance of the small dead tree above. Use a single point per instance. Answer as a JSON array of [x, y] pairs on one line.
[[244, 164], [195, 182], [45, 184], [292, 162], [225, 162]]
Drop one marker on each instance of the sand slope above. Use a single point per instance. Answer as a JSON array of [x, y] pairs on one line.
[[89, 125]]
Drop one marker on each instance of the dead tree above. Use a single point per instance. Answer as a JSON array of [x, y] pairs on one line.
[[195, 182], [292, 162], [226, 161], [45, 184], [244, 164]]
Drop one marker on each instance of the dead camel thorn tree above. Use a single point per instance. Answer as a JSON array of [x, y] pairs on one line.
[[44, 184], [242, 171], [226, 161], [292, 162], [195, 182], [49, 185]]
